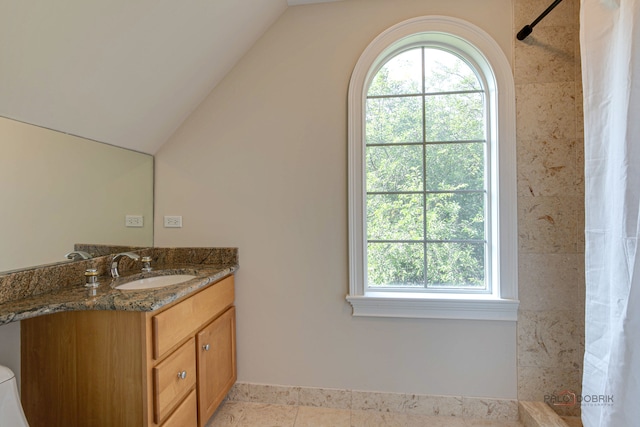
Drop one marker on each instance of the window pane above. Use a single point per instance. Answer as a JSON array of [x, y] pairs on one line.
[[395, 264], [394, 120], [458, 166], [454, 117], [445, 72], [455, 265], [394, 217], [410, 101], [455, 216], [400, 75], [394, 168]]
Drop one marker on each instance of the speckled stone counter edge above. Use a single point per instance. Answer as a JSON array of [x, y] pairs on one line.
[[60, 287]]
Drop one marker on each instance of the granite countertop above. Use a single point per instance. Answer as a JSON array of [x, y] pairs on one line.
[[77, 297]]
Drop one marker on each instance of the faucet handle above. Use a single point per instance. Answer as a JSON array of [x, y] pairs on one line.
[[91, 275], [146, 264]]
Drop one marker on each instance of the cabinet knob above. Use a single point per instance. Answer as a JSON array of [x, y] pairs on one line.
[[206, 347], [182, 375]]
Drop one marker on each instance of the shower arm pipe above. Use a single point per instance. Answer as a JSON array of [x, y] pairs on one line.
[[528, 29]]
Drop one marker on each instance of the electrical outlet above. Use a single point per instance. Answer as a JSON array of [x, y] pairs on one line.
[[134, 221], [172, 221]]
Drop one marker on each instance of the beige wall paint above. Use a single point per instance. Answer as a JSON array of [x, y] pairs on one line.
[[261, 165], [126, 72]]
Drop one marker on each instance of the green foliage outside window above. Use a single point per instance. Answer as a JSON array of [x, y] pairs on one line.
[[425, 173]]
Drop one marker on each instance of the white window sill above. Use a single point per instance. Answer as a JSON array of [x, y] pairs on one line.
[[440, 306]]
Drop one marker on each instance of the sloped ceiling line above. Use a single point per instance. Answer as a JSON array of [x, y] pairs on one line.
[[124, 72]]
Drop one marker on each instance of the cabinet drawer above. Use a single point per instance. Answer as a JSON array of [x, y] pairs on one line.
[[185, 415], [185, 318], [173, 378]]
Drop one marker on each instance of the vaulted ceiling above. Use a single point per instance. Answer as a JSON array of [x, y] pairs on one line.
[[124, 72]]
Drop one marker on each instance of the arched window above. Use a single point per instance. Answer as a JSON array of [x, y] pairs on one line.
[[432, 174]]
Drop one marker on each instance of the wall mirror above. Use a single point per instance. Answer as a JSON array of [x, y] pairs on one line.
[[57, 190]]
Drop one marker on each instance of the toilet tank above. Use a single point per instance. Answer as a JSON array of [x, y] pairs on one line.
[[11, 413]]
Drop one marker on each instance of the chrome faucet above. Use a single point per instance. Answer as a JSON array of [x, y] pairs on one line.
[[77, 255], [116, 259]]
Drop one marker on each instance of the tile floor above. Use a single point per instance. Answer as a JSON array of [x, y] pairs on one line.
[[572, 421], [248, 414]]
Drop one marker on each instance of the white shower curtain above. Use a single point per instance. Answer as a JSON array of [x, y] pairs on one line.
[[610, 45]]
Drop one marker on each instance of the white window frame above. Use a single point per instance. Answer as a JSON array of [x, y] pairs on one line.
[[488, 58]]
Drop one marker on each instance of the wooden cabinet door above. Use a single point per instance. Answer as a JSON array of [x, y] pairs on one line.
[[216, 350]]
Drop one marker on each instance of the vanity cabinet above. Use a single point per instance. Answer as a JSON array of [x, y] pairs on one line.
[[216, 363], [168, 368]]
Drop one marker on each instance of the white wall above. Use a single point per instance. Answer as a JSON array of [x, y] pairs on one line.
[[261, 165]]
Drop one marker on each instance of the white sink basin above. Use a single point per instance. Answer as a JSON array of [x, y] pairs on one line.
[[156, 282]]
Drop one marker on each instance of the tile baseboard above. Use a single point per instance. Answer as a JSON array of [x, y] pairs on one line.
[[414, 404]]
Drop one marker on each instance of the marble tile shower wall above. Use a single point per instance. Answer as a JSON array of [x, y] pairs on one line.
[[550, 202]]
